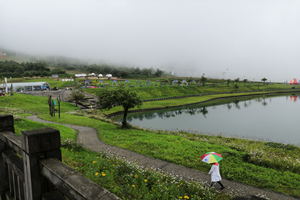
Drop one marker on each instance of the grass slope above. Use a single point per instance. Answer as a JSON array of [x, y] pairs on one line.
[[268, 165]]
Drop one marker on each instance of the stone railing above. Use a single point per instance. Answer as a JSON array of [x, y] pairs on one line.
[[31, 168]]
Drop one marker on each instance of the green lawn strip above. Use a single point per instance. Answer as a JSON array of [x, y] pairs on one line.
[[182, 101], [36, 104], [129, 181], [53, 82], [124, 179], [130, 139], [171, 91], [25, 125], [186, 149]]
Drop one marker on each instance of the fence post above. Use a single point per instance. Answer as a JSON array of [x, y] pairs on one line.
[[6, 124], [37, 145]]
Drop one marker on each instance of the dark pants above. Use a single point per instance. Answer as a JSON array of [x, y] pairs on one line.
[[212, 183]]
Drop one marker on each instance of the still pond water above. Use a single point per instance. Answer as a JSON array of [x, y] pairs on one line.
[[265, 118]]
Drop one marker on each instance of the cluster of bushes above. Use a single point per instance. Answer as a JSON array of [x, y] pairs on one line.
[[123, 72], [28, 69]]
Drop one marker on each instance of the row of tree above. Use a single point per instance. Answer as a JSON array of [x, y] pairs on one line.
[[121, 71], [30, 69]]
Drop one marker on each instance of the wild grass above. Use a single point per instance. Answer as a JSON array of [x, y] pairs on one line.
[[267, 165], [171, 91], [122, 178], [252, 162], [129, 181], [35, 104]]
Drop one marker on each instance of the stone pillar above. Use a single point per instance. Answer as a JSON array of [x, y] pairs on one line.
[[37, 145], [6, 124]]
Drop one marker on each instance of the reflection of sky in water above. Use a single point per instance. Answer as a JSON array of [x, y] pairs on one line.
[[275, 119]]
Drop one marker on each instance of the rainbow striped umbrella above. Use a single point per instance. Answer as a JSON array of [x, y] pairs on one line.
[[211, 157]]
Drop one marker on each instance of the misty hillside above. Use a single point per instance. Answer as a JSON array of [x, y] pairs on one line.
[[17, 64]]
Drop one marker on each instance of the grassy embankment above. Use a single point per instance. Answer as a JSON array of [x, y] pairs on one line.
[[122, 178], [268, 165]]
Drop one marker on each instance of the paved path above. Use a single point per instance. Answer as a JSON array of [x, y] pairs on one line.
[[88, 137]]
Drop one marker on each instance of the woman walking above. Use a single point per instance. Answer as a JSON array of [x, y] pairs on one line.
[[215, 175]]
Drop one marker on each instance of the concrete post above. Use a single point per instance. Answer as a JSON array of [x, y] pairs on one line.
[[6, 124], [37, 145]]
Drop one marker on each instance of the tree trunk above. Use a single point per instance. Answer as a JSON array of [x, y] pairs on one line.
[[124, 122]]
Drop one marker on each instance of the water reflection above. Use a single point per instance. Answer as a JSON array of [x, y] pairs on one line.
[[191, 110], [262, 117], [165, 114]]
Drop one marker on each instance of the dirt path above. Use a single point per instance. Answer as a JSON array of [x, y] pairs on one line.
[[88, 137]]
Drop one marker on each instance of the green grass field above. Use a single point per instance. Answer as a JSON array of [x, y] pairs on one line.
[[266, 165]]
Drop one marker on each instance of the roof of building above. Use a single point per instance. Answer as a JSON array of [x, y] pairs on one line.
[[23, 84]]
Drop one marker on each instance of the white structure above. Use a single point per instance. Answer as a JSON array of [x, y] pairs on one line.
[[26, 86], [67, 79], [80, 75], [5, 82], [108, 76], [92, 74], [100, 75]]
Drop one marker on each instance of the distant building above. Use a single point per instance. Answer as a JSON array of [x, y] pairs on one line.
[[80, 75], [26, 86], [54, 76]]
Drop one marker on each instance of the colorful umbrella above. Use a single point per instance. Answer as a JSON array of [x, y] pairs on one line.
[[211, 157]]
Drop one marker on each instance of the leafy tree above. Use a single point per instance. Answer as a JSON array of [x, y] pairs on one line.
[[264, 80], [137, 71], [122, 96], [236, 80], [203, 79], [58, 70], [158, 72], [245, 80], [76, 95], [189, 80], [14, 69], [228, 81]]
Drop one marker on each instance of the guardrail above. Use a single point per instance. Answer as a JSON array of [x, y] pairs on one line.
[[31, 168]]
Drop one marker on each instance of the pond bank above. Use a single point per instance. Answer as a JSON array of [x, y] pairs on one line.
[[89, 139], [217, 96]]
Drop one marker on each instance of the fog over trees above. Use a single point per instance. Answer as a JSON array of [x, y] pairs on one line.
[[249, 39]]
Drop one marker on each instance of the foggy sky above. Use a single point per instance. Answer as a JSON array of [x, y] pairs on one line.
[[249, 39]]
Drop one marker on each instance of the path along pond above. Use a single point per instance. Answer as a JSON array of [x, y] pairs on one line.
[[265, 118]]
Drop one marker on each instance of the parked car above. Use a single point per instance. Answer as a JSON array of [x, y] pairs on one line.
[[108, 76], [100, 76]]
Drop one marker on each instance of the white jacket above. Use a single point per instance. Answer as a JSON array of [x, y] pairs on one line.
[[215, 173]]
